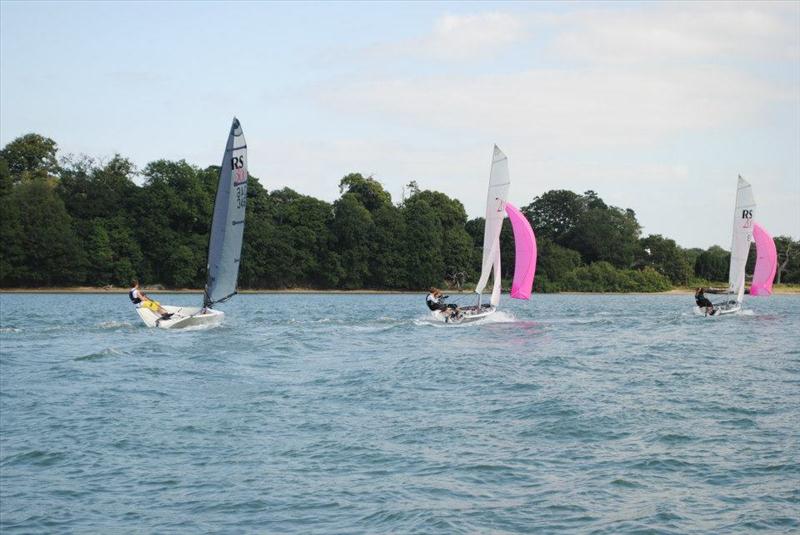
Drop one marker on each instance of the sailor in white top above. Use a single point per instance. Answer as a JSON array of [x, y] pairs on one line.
[[140, 299]]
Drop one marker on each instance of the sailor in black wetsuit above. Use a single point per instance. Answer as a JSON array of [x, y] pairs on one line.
[[703, 302]]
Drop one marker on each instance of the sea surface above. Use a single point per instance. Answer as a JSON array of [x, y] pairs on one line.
[[356, 414]]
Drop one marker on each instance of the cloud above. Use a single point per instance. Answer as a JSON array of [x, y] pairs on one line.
[[464, 37], [639, 103], [681, 32], [578, 108]]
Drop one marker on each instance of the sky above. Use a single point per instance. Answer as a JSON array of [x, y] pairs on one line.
[[655, 106]]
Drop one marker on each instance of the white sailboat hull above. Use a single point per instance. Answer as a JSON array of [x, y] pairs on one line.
[[182, 318], [465, 315], [721, 309]]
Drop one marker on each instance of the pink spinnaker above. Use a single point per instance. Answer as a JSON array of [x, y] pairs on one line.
[[766, 262], [525, 253]]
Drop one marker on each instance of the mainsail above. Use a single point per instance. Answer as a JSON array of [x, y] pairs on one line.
[[766, 262], [227, 228], [524, 253], [742, 237], [495, 211]]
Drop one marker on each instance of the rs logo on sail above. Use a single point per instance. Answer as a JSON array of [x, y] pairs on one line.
[[747, 214], [239, 170]]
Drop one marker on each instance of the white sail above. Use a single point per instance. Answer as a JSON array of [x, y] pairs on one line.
[[227, 227], [742, 237], [499, 183]]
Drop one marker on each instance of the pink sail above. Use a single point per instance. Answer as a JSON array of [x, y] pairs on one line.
[[525, 253], [766, 262]]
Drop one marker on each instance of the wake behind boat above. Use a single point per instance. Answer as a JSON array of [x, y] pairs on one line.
[[224, 246], [497, 207], [745, 232]]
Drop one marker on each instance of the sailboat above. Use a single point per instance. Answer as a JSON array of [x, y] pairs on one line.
[[497, 207], [224, 246], [746, 231]]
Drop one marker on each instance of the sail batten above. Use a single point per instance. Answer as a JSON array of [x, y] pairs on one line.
[[227, 227]]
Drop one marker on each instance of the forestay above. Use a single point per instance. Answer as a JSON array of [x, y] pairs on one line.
[[227, 227], [495, 211], [742, 237]]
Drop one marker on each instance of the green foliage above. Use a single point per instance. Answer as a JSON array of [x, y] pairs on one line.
[[603, 277], [424, 242], [89, 222], [555, 214], [30, 156], [387, 264], [40, 247], [713, 264], [606, 234], [553, 261], [352, 226], [788, 260], [367, 190], [664, 255]]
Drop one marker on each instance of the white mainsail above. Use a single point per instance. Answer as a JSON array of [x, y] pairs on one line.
[[499, 183], [742, 237], [227, 227]]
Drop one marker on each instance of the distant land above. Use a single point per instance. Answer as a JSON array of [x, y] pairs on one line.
[[68, 222]]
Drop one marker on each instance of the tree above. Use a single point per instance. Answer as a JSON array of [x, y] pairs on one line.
[[39, 244], [173, 213], [555, 213], [554, 261], [424, 263], [608, 234], [388, 249], [663, 255], [90, 190], [712, 264], [368, 190], [456, 249], [30, 156], [788, 259], [352, 227]]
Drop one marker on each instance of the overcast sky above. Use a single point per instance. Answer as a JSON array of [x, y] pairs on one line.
[[656, 106]]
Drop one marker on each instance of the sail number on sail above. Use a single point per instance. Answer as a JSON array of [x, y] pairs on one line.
[[239, 180]]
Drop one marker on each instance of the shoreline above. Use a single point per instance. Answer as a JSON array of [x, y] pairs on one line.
[[782, 290]]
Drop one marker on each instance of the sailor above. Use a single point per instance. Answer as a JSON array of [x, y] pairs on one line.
[[703, 302], [140, 299], [435, 301]]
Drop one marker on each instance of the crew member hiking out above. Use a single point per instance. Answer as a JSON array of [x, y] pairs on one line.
[[435, 301], [140, 299], [702, 301]]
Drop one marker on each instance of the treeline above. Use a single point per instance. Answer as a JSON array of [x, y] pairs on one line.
[[76, 221]]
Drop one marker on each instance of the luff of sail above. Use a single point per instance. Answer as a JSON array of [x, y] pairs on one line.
[[525, 253], [499, 183], [227, 227], [742, 237], [766, 262]]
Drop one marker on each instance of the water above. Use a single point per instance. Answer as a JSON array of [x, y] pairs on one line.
[[354, 414]]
